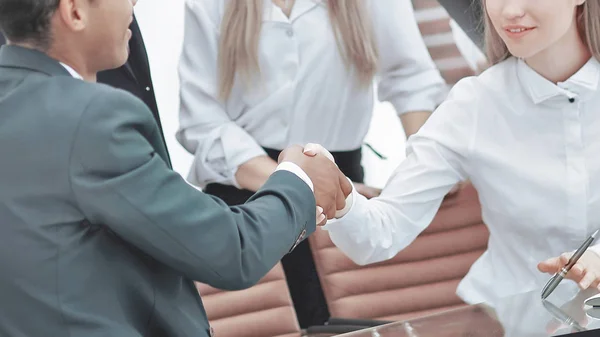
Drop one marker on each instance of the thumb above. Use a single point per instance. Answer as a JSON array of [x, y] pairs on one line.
[[312, 149]]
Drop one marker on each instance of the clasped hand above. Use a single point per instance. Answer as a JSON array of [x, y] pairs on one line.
[[331, 187]]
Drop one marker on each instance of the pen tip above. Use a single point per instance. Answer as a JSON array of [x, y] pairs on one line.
[[595, 233]]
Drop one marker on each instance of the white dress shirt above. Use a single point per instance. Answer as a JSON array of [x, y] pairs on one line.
[[71, 71], [531, 153], [306, 93]]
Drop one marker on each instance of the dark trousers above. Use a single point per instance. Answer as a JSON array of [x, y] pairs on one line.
[[299, 266]]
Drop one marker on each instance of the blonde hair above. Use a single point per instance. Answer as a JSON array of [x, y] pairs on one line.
[[240, 33], [588, 23]]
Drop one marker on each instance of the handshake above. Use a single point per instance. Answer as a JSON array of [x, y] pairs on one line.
[[331, 187]]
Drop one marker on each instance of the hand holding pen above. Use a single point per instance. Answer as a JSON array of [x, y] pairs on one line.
[[583, 267]]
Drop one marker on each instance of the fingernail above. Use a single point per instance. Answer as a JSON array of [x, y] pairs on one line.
[[319, 210]]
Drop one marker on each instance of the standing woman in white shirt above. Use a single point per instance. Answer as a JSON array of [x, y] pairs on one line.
[[526, 133], [258, 75]]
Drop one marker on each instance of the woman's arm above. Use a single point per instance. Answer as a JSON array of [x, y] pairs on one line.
[[408, 78], [223, 151], [438, 157]]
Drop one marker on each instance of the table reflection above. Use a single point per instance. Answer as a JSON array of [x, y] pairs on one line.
[[523, 315]]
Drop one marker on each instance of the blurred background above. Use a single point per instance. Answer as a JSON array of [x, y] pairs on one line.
[[163, 42]]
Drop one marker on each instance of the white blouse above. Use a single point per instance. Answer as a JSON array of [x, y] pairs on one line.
[[306, 93], [531, 149]]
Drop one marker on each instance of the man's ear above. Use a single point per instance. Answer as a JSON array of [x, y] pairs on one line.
[[74, 13]]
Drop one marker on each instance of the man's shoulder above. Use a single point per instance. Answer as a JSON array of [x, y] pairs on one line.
[[96, 97], [90, 91], [72, 100], [71, 92]]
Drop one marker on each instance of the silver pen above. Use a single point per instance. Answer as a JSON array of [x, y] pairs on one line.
[[558, 277]]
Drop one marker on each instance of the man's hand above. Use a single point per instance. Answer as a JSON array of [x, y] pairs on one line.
[[330, 186], [312, 150], [586, 272]]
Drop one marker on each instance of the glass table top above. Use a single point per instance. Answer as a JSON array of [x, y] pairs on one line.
[[523, 315]]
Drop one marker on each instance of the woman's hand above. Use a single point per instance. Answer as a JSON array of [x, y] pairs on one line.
[[367, 191], [586, 272]]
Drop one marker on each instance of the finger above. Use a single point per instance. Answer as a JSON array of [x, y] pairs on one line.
[[281, 155], [564, 258], [321, 220], [345, 184], [330, 213], [324, 152], [340, 201], [313, 149], [587, 280], [576, 273], [550, 266], [310, 149], [319, 214], [329, 210]]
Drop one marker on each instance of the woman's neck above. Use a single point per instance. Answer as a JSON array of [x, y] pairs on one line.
[[285, 5], [563, 59]]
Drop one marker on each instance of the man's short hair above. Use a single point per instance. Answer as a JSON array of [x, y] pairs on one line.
[[28, 21]]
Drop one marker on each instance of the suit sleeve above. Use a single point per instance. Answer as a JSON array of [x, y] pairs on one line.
[[118, 180]]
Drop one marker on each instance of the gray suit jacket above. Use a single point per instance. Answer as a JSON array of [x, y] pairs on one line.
[[97, 236]]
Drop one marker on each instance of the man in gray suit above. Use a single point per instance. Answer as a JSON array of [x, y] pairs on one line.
[[97, 236]]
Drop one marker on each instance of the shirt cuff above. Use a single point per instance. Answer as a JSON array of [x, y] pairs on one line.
[[295, 169]]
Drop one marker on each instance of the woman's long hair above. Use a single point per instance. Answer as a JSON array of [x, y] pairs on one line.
[[240, 33]]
